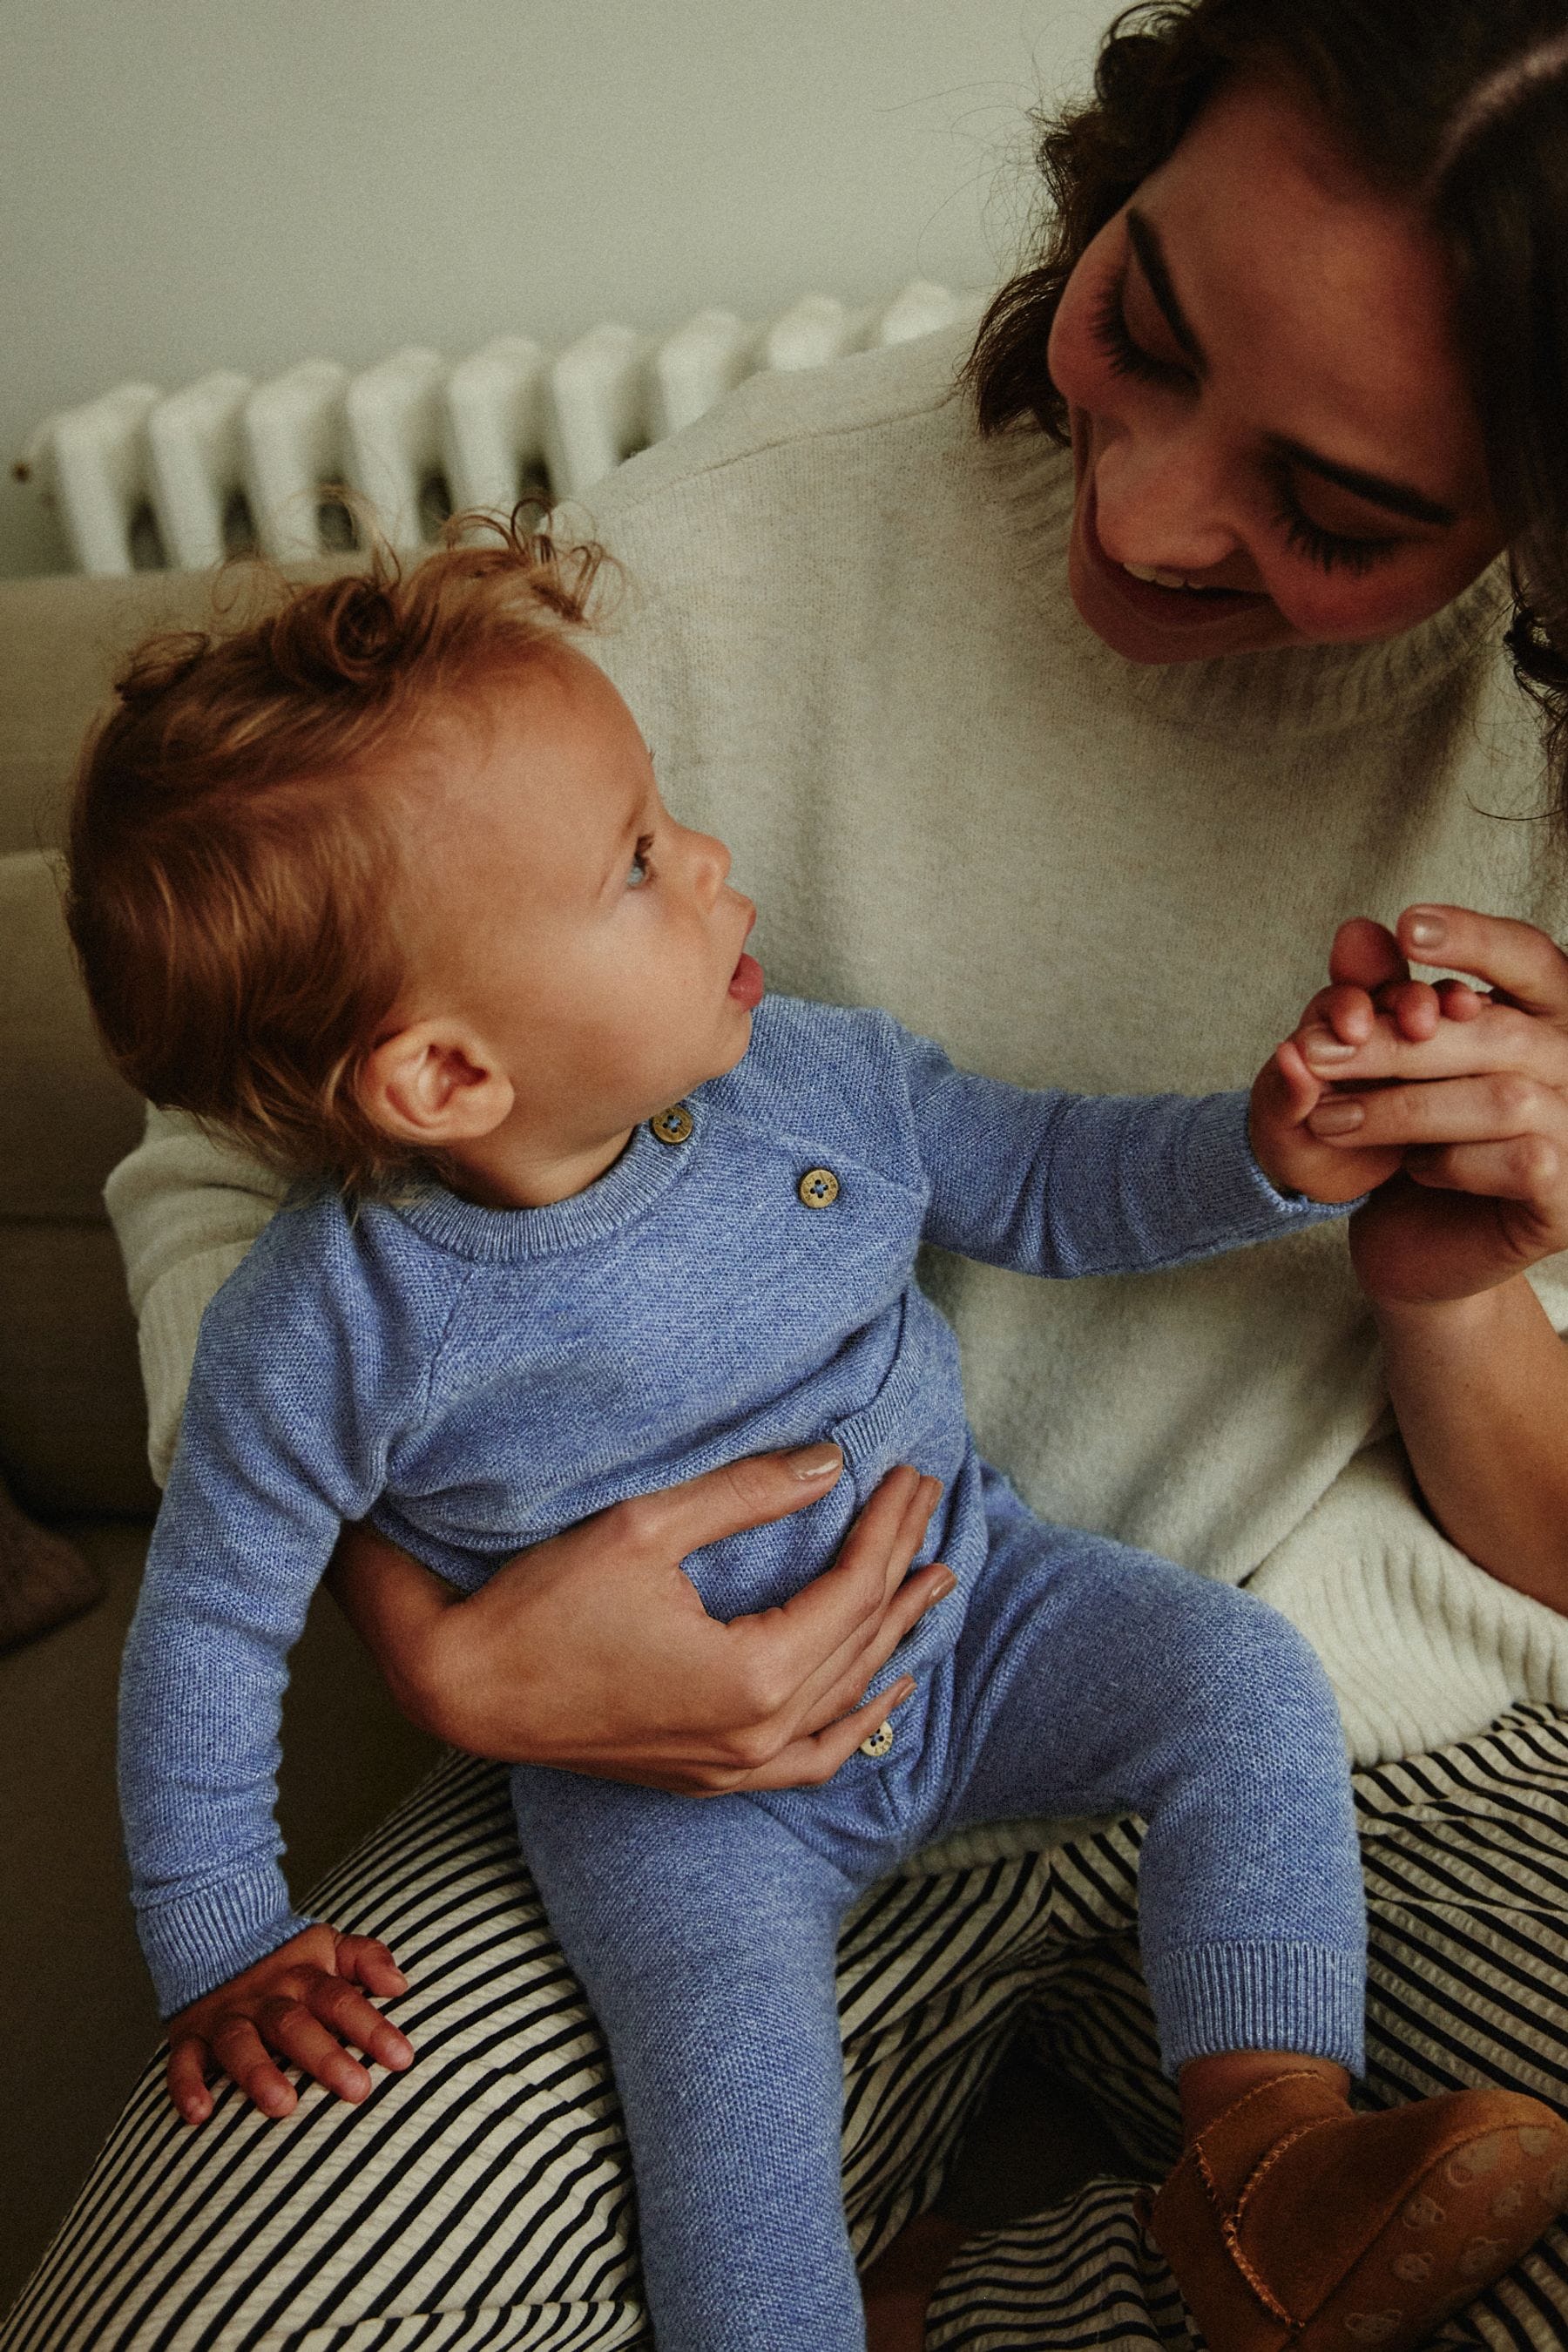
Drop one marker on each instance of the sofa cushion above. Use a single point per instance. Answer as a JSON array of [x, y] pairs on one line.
[[72, 1426], [68, 1117]]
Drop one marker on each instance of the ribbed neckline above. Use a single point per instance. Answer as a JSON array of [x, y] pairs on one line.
[[644, 1171], [1299, 691]]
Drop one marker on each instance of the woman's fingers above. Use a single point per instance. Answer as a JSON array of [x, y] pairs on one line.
[[805, 1640], [841, 1686], [1500, 1107], [806, 1664], [816, 1756], [1497, 1038], [1521, 1168], [1501, 1142], [1513, 957], [677, 1520]]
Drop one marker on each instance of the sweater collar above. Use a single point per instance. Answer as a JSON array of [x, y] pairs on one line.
[[644, 1171], [1299, 691]]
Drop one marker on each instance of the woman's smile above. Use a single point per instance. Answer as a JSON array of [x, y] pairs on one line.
[[1274, 438]]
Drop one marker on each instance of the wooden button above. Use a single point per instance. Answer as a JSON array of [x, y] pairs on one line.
[[672, 1126], [818, 1188], [881, 1742]]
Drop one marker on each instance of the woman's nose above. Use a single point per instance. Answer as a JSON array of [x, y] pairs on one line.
[[1158, 502]]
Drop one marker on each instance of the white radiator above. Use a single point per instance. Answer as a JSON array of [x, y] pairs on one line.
[[142, 477]]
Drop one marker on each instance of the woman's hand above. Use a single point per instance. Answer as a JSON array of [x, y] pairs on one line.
[[303, 2003], [1470, 1090], [593, 1652]]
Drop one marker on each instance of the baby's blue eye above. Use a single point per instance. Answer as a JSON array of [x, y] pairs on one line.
[[638, 870]]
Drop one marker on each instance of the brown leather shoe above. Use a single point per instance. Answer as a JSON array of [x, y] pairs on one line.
[[1292, 2221]]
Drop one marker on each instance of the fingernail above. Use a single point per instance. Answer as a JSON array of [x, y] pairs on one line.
[[1336, 1117], [815, 1460], [1423, 926], [900, 1691], [949, 1584], [1322, 1048]]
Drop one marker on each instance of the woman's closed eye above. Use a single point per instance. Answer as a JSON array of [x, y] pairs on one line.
[[1330, 550], [1114, 337]]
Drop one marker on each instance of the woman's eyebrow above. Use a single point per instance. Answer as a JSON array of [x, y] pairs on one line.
[[1400, 497]]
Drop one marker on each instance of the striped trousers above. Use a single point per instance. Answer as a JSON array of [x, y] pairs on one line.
[[482, 2199]]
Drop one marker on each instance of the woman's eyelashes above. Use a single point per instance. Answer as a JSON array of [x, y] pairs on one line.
[[1330, 550], [1115, 340]]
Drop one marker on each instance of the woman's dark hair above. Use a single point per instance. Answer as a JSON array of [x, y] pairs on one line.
[[1462, 105]]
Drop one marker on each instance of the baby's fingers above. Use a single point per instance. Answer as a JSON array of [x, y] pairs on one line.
[[294, 2032], [240, 2051], [189, 2058], [1367, 955], [1345, 1013], [367, 1962], [1414, 1007], [1460, 1001], [355, 2020]]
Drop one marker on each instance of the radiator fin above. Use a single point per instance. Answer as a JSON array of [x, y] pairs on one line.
[[139, 477]]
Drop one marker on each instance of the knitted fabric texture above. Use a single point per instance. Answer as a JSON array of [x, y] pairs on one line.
[[850, 641], [475, 1380]]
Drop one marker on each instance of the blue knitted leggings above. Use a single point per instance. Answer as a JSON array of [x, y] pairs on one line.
[[1088, 1679]]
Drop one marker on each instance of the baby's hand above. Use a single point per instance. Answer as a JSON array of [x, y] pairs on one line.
[[302, 2002], [1299, 1076]]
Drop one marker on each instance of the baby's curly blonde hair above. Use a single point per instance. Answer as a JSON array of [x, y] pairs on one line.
[[232, 868]]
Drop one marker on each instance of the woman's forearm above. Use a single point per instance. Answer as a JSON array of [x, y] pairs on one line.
[[1480, 1387]]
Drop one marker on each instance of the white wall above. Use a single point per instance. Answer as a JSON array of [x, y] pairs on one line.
[[188, 184]]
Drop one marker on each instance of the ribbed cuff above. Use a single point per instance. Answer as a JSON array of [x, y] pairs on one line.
[[198, 1942], [1224, 1172], [1306, 1999]]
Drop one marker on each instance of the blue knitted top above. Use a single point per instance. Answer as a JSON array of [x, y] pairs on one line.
[[474, 1379]]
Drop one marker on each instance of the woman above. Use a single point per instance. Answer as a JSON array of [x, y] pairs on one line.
[[1033, 751]]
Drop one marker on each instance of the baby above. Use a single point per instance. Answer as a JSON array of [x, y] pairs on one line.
[[383, 884]]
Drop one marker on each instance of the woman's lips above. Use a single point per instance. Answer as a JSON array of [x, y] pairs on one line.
[[747, 984]]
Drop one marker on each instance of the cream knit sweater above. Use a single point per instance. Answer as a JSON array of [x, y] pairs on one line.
[[849, 642]]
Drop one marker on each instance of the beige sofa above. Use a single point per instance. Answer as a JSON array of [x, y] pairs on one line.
[[79, 2012]]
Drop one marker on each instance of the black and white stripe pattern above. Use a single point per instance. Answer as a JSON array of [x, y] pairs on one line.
[[481, 2200]]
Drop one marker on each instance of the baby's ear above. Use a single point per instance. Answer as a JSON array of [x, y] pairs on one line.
[[434, 1084]]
